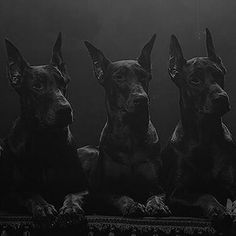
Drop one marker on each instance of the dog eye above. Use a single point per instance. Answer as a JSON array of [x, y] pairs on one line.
[[195, 81], [38, 86], [119, 77]]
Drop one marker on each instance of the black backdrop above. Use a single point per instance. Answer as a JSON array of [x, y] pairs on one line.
[[120, 28]]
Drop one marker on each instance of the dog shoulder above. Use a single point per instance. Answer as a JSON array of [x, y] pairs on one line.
[[229, 145], [177, 135], [16, 140], [173, 150], [227, 134], [152, 134]]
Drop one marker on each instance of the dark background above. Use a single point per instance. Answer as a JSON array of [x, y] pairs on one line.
[[120, 28]]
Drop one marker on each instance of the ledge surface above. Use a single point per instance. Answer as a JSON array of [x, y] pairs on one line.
[[112, 225]]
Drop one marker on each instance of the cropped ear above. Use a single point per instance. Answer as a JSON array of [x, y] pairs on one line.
[[211, 53], [57, 59], [16, 65], [176, 59], [145, 58], [100, 62]]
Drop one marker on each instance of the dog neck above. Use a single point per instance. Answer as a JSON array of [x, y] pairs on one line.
[[197, 127], [31, 123], [27, 130], [126, 127], [27, 116], [26, 113], [22, 136]]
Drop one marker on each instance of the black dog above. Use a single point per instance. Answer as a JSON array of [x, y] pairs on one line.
[[125, 172], [199, 161], [39, 155]]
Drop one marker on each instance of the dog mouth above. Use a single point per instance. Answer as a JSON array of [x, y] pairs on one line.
[[63, 121], [63, 117], [217, 106], [215, 111], [137, 116], [137, 107], [58, 121], [222, 106]]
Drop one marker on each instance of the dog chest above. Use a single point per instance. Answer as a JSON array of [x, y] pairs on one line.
[[55, 174], [128, 167], [203, 165]]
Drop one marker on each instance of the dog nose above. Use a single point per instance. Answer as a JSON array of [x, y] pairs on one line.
[[64, 115], [222, 103], [64, 111], [141, 100]]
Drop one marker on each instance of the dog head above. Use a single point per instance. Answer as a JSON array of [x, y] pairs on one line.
[[200, 80], [125, 82], [42, 89]]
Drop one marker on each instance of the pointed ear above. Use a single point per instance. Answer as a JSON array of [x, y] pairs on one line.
[[100, 62], [145, 58], [211, 53], [176, 58], [57, 59], [16, 65], [210, 46]]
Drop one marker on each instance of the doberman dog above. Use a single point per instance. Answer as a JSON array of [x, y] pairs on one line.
[[124, 172], [199, 160], [40, 158]]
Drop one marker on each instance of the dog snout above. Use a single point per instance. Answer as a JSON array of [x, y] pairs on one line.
[[64, 111], [140, 100], [64, 115], [221, 103]]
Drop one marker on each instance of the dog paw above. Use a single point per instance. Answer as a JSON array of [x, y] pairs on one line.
[[40, 208], [70, 214], [71, 209], [222, 220], [44, 210], [218, 212], [156, 207], [131, 208], [135, 209], [231, 207]]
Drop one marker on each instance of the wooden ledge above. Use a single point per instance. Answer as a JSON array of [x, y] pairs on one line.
[[111, 225]]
